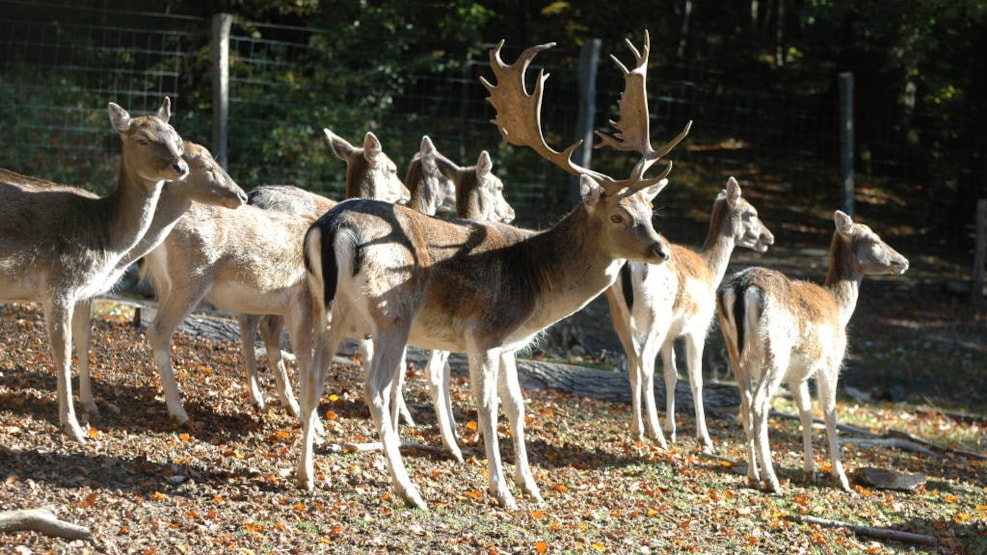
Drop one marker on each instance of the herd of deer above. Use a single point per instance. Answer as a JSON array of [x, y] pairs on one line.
[[389, 275]]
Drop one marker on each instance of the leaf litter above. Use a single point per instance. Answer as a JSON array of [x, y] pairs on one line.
[[223, 483]]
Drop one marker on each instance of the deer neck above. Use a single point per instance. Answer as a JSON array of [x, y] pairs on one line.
[[719, 244], [570, 267], [171, 206], [843, 279], [130, 207]]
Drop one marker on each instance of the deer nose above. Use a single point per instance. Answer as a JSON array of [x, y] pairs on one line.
[[181, 168], [661, 252]]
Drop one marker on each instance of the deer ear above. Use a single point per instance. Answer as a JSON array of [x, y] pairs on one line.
[[733, 191], [371, 146], [339, 146], [119, 118], [844, 223], [426, 148], [164, 112], [483, 165], [589, 190]]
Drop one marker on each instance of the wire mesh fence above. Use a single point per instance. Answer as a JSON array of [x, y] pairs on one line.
[[58, 69]]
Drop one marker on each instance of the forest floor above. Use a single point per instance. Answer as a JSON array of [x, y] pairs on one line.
[[223, 483]]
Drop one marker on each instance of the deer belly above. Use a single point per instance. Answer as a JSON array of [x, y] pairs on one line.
[[245, 299]]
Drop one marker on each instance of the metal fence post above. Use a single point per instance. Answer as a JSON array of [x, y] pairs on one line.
[[221, 23], [589, 56], [846, 140], [980, 254]]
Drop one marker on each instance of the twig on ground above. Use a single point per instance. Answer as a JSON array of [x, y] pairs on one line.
[[870, 531], [895, 442], [42, 521], [934, 446], [378, 446]]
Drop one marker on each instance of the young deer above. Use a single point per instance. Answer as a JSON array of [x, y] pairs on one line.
[[369, 172], [485, 289], [206, 182], [780, 330], [60, 246], [431, 191], [286, 199], [653, 305]]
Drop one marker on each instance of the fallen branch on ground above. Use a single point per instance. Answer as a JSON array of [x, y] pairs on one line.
[[42, 521], [378, 446], [895, 442], [934, 446], [923, 446], [870, 531]]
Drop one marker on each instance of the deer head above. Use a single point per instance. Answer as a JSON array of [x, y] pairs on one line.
[[369, 172], [152, 149], [624, 205]]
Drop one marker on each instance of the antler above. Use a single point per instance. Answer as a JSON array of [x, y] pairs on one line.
[[519, 118], [632, 130]]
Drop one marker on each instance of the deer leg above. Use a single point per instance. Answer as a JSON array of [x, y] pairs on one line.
[[671, 374], [399, 408], [647, 364], [175, 306], [389, 344], [438, 379], [58, 318], [312, 380], [82, 337], [761, 407], [270, 332], [800, 391], [248, 334], [694, 345], [510, 391], [484, 370], [826, 384]]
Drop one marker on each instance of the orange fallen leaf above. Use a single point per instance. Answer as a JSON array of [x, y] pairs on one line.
[[473, 494], [471, 425], [541, 547], [537, 514]]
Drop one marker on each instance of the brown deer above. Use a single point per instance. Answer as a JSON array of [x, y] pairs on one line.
[[206, 182], [651, 306], [486, 289], [479, 197], [299, 202], [60, 246], [781, 330], [369, 172]]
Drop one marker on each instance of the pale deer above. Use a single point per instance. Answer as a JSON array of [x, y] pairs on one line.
[[781, 330], [651, 306], [431, 191], [60, 245], [370, 173], [399, 277], [299, 202], [206, 182]]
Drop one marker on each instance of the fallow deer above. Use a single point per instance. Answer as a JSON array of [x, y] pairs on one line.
[[60, 245], [781, 330], [370, 173], [207, 183], [431, 191], [653, 305], [485, 289], [479, 197], [299, 202]]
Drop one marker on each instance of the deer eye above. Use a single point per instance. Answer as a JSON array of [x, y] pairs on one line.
[[142, 141], [616, 218]]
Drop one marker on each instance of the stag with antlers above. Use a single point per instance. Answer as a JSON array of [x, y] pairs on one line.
[[399, 277]]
